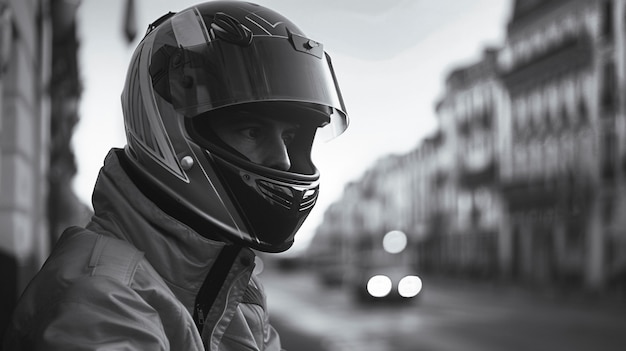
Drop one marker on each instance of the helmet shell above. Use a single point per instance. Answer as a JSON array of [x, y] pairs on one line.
[[216, 58]]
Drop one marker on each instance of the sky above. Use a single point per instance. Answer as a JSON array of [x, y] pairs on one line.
[[391, 58]]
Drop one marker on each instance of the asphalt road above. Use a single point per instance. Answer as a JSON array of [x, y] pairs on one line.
[[448, 316]]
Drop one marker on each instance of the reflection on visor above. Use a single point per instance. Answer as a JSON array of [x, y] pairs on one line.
[[337, 125], [204, 74], [206, 77]]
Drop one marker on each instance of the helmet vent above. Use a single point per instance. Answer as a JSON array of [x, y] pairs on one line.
[[278, 195], [230, 29], [285, 197], [308, 199]]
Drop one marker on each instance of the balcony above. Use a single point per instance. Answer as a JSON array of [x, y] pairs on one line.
[[471, 178], [565, 194], [572, 54]]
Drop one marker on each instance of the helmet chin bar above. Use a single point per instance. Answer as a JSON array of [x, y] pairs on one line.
[[274, 205]]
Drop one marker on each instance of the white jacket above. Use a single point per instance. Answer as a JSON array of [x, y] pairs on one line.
[[128, 281]]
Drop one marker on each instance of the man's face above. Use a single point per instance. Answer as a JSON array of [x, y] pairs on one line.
[[263, 140]]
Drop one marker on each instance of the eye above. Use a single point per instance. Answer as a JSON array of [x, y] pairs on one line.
[[288, 137], [251, 132]]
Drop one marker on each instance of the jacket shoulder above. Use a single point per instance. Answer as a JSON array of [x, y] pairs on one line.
[[89, 253], [84, 287]]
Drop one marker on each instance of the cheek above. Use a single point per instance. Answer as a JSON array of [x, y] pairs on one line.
[[246, 147], [251, 153]]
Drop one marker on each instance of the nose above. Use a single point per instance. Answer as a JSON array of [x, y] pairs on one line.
[[277, 155]]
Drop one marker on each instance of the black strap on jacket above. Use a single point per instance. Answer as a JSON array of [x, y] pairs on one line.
[[213, 283]]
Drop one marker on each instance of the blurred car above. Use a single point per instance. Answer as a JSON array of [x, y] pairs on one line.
[[390, 284]]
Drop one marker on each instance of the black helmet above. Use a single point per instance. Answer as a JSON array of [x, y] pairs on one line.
[[218, 59]]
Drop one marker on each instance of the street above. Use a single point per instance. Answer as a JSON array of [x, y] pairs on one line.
[[445, 317]]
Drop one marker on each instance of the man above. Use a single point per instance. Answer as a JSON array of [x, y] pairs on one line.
[[222, 103]]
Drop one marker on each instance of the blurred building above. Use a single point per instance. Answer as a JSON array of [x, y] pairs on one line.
[[525, 179], [472, 136], [39, 92], [563, 66]]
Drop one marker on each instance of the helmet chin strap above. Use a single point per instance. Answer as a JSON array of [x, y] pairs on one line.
[[212, 284]]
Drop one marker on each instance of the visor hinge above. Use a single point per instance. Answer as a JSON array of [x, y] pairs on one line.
[[152, 26], [306, 45]]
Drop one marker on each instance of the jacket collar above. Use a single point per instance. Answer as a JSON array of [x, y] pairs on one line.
[[180, 255]]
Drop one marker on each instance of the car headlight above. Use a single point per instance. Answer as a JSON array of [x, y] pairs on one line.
[[379, 286], [409, 286]]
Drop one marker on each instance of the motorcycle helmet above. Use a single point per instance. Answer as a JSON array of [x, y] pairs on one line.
[[221, 59]]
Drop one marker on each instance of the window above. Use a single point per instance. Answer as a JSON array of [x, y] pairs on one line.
[[607, 20], [583, 117], [609, 154], [548, 123], [565, 119], [609, 89]]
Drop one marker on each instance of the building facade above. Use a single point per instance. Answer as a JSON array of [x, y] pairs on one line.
[[471, 131], [525, 179], [563, 68], [39, 90]]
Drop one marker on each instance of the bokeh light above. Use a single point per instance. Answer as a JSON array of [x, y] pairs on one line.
[[379, 286], [410, 286], [394, 242]]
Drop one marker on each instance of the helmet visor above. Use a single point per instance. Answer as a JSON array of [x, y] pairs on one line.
[[205, 73]]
